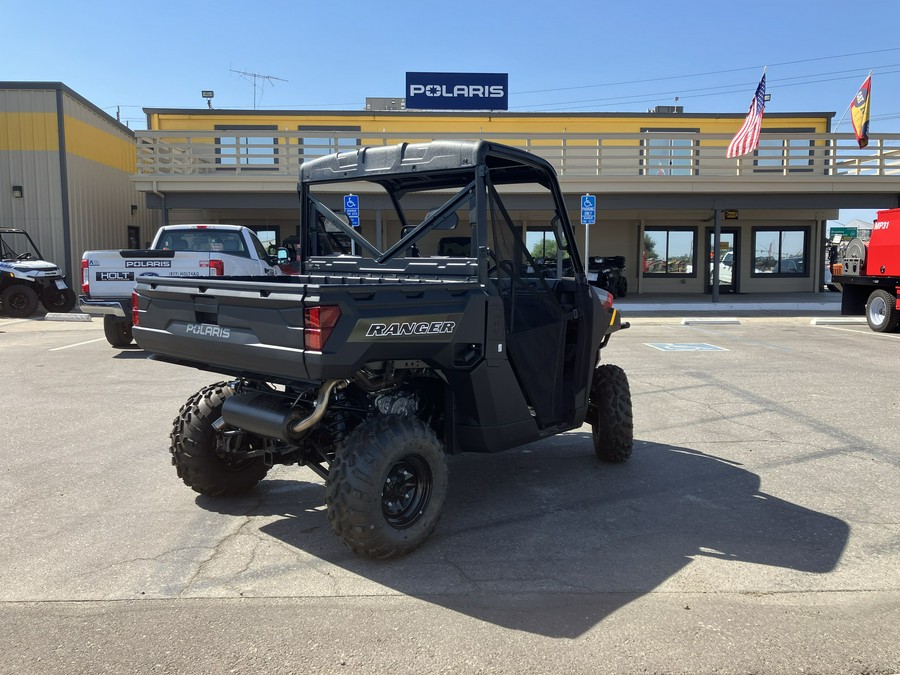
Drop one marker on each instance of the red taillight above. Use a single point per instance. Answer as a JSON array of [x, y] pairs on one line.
[[606, 298], [85, 277], [217, 267], [134, 308], [318, 322]]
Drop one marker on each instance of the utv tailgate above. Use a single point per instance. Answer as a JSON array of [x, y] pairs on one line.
[[254, 326]]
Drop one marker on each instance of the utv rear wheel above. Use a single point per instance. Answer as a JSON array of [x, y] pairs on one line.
[[881, 312], [612, 422], [386, 486], [19, 301], [117, 331], [59, 300], [197, 449]]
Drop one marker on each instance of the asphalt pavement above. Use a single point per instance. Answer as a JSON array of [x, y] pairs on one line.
[[755, 529]]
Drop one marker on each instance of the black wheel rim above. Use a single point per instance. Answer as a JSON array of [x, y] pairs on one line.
[[406, 491], [19, 301]]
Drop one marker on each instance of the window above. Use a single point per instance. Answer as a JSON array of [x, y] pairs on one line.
[[778, 154], [670, 251], [253, 152], [780, 252], [319, 143], [674, 156]]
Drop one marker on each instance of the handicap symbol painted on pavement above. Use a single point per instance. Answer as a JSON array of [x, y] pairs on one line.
[[685, 347]]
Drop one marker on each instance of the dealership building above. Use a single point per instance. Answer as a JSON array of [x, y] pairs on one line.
[[667, 198]]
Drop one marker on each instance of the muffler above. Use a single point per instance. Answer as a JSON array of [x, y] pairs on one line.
[[274, 416]]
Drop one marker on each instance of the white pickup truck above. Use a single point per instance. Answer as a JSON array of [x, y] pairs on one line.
[[108, 277]]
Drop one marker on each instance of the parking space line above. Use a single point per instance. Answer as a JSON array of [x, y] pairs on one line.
[[4, 324], [77, 344], [863, 332]]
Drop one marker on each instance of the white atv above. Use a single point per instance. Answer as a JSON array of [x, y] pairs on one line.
[[26, 279]]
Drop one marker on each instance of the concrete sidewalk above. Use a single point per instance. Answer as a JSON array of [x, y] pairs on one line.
[[741, 304]]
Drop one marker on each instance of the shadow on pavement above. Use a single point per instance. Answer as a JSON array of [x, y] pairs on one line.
[[547, 539]]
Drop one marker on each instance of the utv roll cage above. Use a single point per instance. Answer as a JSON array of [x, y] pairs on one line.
[[474, 169]]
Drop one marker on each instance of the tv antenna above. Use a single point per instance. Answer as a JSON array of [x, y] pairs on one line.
[[258, 81]]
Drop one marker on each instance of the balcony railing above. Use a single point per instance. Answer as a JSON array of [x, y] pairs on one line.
[[656, 155]]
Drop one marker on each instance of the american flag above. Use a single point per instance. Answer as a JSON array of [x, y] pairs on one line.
[[747, 137]]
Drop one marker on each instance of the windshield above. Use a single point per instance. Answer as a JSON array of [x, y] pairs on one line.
[[18, 246]]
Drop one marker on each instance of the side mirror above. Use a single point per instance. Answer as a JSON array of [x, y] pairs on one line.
[[281, 255]]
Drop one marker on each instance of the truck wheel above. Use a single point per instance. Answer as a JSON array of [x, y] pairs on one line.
[[386, 486], [197, 448], [612, 422], [117, 331], [59, 301], [19, 301], [622, 289], [881, 312]]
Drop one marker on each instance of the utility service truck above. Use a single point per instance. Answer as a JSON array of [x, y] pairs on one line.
[[107, 277], [868, 274], [369, 369]]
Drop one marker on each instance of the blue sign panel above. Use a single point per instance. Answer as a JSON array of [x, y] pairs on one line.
[[588, 209], [351, 209], [457, 91]]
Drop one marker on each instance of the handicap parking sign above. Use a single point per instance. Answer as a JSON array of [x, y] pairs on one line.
[[351, 209], [588, 209]]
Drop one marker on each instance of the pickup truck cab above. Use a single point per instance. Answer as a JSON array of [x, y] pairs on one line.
[[108, 277]]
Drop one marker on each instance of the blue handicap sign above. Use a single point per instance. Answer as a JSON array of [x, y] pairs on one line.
[[588, 209], [351, 209]]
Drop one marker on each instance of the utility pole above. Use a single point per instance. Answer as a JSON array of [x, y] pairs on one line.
[[258, 80]]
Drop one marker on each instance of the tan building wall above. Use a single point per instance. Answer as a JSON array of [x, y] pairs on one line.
[[75, 164]]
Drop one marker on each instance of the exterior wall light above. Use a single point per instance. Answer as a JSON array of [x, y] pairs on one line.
[[18, 192]]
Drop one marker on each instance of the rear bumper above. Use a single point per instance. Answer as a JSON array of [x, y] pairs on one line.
[[119, 308]]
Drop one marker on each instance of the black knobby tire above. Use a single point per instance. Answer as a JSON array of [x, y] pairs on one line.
[[386, 486], [612, 421], [622, 289], [59, 300], [19, 301], [881, 312], [117, 331], [196, 448]]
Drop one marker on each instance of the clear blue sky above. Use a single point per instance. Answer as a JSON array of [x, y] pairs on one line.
[[566, 55]]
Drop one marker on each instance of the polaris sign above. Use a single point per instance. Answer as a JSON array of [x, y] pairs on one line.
[[457, 91]]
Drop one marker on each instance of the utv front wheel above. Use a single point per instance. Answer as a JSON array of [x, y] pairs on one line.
[[19, 301], [612, 422], [386, 486], [117, 331], [197, 449], [59, 300]]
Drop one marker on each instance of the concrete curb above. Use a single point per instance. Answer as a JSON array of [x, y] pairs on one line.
[[69, 316], [717, 320], [839, 321], [728, 307]]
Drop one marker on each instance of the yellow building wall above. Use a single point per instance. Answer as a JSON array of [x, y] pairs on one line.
[[28, 132], [503, 123], [89, 142]]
